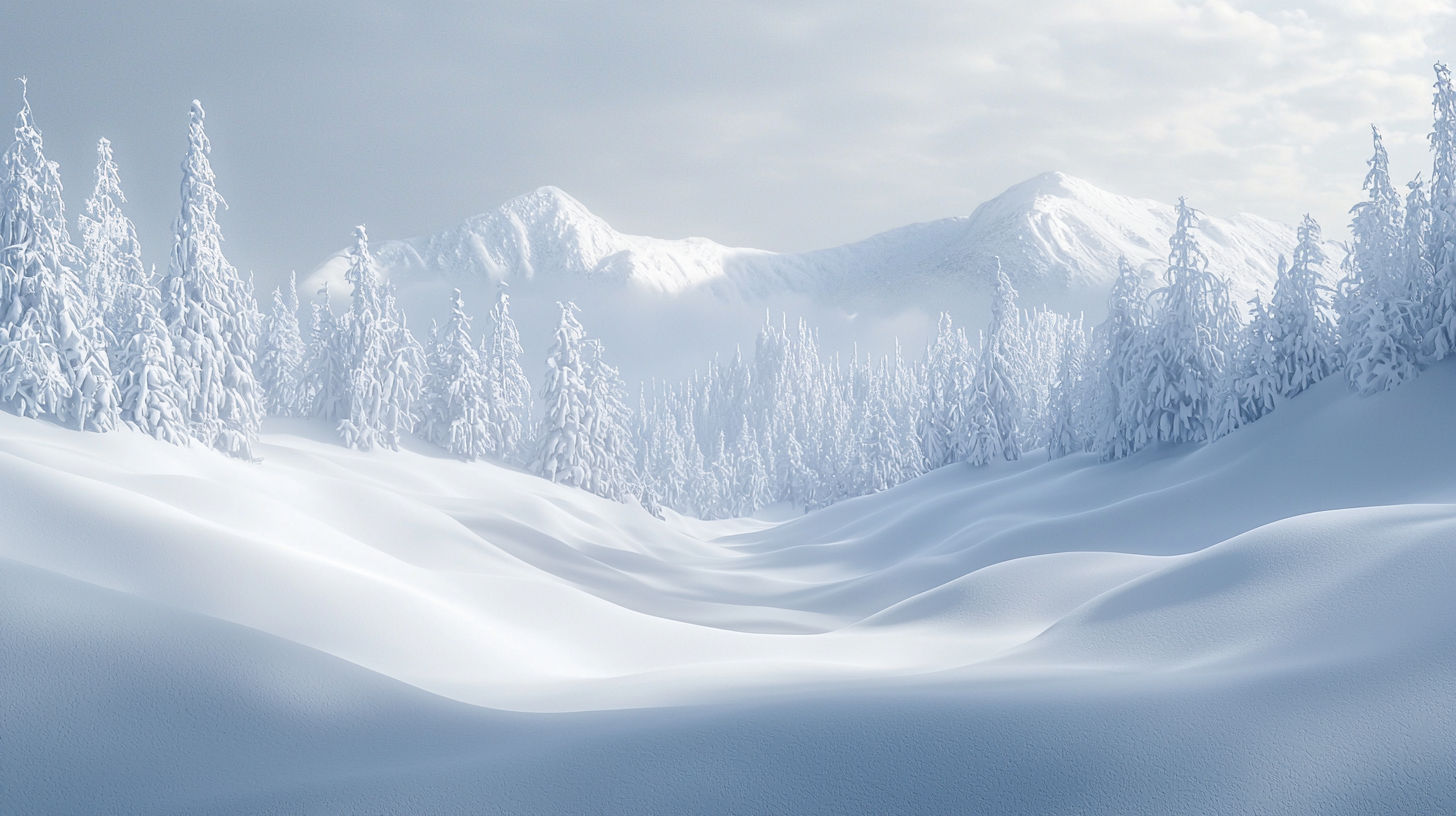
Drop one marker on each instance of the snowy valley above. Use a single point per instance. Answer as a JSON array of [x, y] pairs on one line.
[[1183, 542]]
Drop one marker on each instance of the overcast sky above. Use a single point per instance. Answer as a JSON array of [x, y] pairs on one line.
[[779, 125]]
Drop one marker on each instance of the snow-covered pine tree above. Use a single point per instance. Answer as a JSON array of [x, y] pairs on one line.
[[111, 249], [1063, 437], [145, 364], [326, 367], [1380, 326], [456, 413], [1441, 249], [1254, 380], [947, 375], [211, 313], [403, 377], [1304, 339], [750, 478], [511, 391], [1195, 326], [53, 359], [563, 451], [607, 421], [281, 354], [1121, 421], [365, 345], [998, 373]]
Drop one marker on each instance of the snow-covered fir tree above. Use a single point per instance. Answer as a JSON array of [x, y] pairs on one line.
[[53, 358], [1255, 376], [1195, 326], [211, 314], [404, 372], [456, 413], [997, 376], [111, 249], [509, 388], [281, 354], [145, 365], [563, 452], [1064, 434], [1380, 325], [1122, 412], [326, 367], [607, 429], [1441, 337], [369, 415], [942, 410], [1305, 343]]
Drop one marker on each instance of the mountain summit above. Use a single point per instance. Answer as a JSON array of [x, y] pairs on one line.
[[1054, 235]]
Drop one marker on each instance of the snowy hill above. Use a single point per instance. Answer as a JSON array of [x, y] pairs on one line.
[[1262, 624]]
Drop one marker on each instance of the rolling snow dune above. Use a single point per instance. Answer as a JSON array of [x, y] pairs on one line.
[[1262, 624]]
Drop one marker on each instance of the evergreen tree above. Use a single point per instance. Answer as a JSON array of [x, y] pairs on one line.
[[1380, 325], [111, 249], [404, 374], [326, 367], [562, 448], [211, 314], [1064, 437], [281, 354], [1122, 415], [947, 376], [1441, 337], [998, 374], [1304, 336], [1256, 376], [151, 399], [365, 345], [606, 423], [1195, 326], [456, 414], [510, 390], [52, 347]]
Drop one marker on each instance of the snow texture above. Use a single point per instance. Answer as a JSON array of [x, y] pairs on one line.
[[337, 631]]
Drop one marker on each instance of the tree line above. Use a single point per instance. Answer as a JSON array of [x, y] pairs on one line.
[[92, 338]]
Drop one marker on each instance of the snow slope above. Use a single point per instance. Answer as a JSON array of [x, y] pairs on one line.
[[1265, 624]]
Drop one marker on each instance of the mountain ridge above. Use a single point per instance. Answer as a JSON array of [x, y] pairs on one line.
[[1053, 233]]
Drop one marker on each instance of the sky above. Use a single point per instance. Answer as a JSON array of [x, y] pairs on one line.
[[779, 125]]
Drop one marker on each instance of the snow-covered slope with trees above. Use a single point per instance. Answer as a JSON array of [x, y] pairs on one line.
[[1053, 233], [1285, 590]]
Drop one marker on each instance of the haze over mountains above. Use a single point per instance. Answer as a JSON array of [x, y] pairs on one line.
[[673, 303]]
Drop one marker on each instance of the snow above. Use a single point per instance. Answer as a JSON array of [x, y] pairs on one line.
[[1264, 624], [1051, 232], [1058, 237]]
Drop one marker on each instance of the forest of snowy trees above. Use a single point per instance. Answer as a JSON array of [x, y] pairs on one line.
[[91, 338]]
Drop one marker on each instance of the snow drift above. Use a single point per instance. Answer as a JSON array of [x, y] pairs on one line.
[[1264, 623]]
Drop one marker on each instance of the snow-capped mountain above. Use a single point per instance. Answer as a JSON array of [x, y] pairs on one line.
[[1053, 234], [665, 307]]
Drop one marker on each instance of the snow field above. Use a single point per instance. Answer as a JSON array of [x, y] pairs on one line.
[[1264, 624]]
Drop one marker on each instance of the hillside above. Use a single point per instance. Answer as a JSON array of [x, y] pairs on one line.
[[209, 636]]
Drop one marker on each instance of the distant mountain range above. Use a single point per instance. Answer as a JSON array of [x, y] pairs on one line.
[[664, 306], [1054, 234]]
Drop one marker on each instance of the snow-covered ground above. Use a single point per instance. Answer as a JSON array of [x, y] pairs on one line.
[[1266, 624]]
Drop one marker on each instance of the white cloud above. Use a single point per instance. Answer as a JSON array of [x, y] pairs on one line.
[[783, 125]]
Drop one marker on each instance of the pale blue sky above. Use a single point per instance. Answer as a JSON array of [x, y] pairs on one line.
[[778, 125]]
